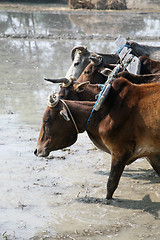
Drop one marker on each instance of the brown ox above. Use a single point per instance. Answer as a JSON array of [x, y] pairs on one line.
[[138, 79], [80, 91], [80, 56], [149, 66], [128, 124], [97, 73]]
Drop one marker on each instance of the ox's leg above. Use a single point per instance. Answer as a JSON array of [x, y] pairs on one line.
[[155, 163], [117, 167]]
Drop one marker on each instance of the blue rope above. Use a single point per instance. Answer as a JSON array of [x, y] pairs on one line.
[[100, 86], [95, 104], [120, 49], [90, 115]]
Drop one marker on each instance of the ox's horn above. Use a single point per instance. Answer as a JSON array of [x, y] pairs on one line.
[[66, 82], [60, 80], [53, 99], [82, 50], [80, 87], [96, 59], [106, 71]]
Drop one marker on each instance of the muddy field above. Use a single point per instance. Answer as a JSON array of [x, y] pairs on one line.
[[63, 196]]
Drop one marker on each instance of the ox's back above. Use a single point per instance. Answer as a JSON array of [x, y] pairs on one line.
[[145, 50], [134, 116]]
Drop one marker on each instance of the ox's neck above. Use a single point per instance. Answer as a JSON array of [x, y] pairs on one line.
[[81, 111], [109, 58]]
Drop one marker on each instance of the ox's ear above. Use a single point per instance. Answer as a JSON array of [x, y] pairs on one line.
[[80, 87], [64, 114], [106, 71]]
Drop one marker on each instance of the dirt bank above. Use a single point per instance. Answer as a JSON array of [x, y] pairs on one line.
[[138, 5]]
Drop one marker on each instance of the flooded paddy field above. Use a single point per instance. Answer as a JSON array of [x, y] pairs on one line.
[[63, 196]]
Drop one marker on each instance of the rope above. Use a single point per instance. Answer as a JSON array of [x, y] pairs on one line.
[[120, 49], [99, 96], [109, 84], [70, 115]]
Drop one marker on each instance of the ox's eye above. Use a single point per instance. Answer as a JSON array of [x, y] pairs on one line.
[[86, 72], [46, 121], [76, 64]]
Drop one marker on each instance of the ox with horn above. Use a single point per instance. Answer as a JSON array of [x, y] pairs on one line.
[[80, 59], [94, 58]]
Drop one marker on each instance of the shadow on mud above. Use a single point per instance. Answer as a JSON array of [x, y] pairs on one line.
[[140, 174], [145, 205]]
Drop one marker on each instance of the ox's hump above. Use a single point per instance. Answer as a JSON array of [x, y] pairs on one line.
[[120, 83]]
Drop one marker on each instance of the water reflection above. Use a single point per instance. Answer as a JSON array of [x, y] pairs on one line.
[[152, 27], [33, 23], [73, 25]]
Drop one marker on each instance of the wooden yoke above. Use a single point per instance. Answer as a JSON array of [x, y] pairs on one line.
[[127, 59], [107, 86]]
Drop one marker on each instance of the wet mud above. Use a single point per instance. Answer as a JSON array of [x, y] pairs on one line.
[[63, 196]]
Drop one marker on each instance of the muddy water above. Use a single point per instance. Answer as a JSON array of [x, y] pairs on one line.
[[63, 196]]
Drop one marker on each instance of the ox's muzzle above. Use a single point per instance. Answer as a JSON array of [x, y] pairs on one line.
[[36, 152], [39, 152]]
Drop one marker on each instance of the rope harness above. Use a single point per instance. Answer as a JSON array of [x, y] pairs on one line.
[[74, 123]]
